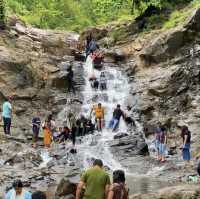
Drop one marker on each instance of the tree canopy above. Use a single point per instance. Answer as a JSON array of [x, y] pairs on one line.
[[78, 14]]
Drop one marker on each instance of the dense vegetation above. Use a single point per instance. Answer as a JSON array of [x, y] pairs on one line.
[[78, 14]]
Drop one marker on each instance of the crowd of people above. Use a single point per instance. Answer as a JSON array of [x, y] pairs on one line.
[[94, 182]]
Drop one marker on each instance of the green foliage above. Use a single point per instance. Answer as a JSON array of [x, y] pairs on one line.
[[79, 14]]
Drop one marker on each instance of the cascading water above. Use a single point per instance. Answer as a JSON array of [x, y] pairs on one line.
[[96, 146]]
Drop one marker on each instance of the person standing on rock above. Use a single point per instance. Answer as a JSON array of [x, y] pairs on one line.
[[186, 136], [157, 133], [18, 192], [73, 127], [7, 115], [70, 79], [163, 144], [96, 182], [36, 122], [128, 119], [117, 114], [47, 127], [118, 189]]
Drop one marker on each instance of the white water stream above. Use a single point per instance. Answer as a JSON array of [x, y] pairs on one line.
[[96, 146]]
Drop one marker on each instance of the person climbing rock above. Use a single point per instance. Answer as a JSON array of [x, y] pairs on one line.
[[7, 115], [87, 45], [128, 118], [118, 189], [186, 137], [99, 116], [73, 127], [96, 182], [36, 122], [70, 79], [117, 114], [39, 195], [17, 191], [163, 144], [103, 81]]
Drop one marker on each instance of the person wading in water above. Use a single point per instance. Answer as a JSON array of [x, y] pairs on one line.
[[99, 116]]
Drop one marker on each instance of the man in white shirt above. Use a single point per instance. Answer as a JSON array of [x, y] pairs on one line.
[[7, 115]]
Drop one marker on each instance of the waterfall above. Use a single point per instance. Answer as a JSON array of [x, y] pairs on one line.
[[96, 146]]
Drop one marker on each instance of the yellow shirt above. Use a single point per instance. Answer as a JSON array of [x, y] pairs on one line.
[[99, 112]]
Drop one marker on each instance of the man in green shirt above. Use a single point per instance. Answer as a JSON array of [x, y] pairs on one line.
[[96, 182]]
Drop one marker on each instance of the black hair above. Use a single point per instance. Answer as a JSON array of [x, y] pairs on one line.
[[17, 184], [98, 162], [119, 176], [99, 104], [39, 195], [118, 106]]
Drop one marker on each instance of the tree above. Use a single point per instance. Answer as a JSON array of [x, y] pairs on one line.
[[2, 14]]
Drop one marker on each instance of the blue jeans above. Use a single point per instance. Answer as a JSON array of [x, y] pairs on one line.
[[186, 152], [162, 149], [114, 123], [6, 125]]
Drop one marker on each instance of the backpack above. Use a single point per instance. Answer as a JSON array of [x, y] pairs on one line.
[[120, 191]]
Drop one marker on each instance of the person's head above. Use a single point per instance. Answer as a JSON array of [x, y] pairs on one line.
[[119, 176], [98, 162], [38, 113], [118, 106], [99, 105], [102, 74], [184, 129], [159, 124], [50, 117], [66, 129], [60, 129], [128, 108], [18, 186], [39, 195], [9, 99]]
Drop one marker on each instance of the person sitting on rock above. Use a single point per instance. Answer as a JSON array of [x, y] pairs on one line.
[[18, 192], [56, 134], [65, 135], [89, 127], [117, 114], [118, 189], [39, 195]]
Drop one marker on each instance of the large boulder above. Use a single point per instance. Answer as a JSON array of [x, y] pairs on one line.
[[65, 187]]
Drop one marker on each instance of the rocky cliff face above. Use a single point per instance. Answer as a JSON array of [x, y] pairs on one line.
[[33, 67], [163, 68]]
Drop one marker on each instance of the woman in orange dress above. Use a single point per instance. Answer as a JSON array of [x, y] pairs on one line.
[[47, 134]]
